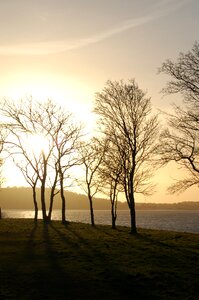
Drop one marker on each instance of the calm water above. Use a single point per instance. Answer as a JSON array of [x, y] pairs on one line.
[[184, 221]]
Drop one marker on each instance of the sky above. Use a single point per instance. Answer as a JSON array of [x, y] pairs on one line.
[[67, 50]]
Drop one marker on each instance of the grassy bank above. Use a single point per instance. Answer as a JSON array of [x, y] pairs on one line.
[[77, 261]]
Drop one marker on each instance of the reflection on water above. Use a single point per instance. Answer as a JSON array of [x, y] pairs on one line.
[[184, 221]]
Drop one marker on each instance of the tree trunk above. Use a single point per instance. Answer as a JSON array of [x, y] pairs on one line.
[[132, 214], [43, 188], [91, 209], [113, 199], [50, 207], [52, 194], [43, 203], [62, 196], [113, 222], [63, 206], [113, 215], [35, 203]]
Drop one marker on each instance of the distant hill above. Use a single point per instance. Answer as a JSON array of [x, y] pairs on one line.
[[186, 205], [21, 198]]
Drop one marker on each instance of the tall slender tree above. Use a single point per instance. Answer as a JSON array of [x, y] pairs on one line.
[[91, 157], [66, 136], [125, 118], [3, 134], [110, 172], [31, 178]]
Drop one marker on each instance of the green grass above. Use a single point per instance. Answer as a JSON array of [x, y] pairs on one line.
[[76, 261]]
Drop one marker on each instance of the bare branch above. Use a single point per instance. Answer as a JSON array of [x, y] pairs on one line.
[[180, 141]]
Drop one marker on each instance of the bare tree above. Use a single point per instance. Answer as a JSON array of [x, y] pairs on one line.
[[54, 125], [66, 136], [1, 176], [125, 117], [1, 160], [3, 134], [184, 75], [23, 121], [91, 158], [31, 178], [110, 171], [180, 141], [24, 159]]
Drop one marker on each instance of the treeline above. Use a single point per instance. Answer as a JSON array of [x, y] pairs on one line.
[[48, 146]]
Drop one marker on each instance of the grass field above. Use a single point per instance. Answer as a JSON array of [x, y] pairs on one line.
[[76, 261]]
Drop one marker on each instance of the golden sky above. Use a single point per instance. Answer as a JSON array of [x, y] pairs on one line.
[[67, 50]]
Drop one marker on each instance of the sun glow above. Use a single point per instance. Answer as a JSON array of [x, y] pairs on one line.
[[68, 92], [37, 144], [74, 96]]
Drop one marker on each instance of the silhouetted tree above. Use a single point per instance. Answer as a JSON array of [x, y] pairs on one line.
[[184, 75], [1, 176], [65, 136], [91, 157], [3, 134], [54, 125], [180, 141], [31, 178], [125, 118], [24, 120], [110, 171], [24, 158], [1, 163]]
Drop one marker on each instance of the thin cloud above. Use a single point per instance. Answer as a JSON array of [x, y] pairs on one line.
[[51, 47]]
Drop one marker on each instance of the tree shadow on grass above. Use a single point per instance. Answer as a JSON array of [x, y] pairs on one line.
[[153, 257], [175, 263], [46, 275], [170, 241], [76, 251], [102, 271], [92, 267], [29, 252]]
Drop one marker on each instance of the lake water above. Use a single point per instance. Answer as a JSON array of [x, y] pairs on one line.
[[176, 220]]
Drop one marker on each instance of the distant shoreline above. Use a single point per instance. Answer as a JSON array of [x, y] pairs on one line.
[[105, 209], [174, 220], [21, 198]]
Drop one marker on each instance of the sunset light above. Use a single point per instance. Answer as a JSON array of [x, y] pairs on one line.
[[99, 139], [37, 144], [70, 63]]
